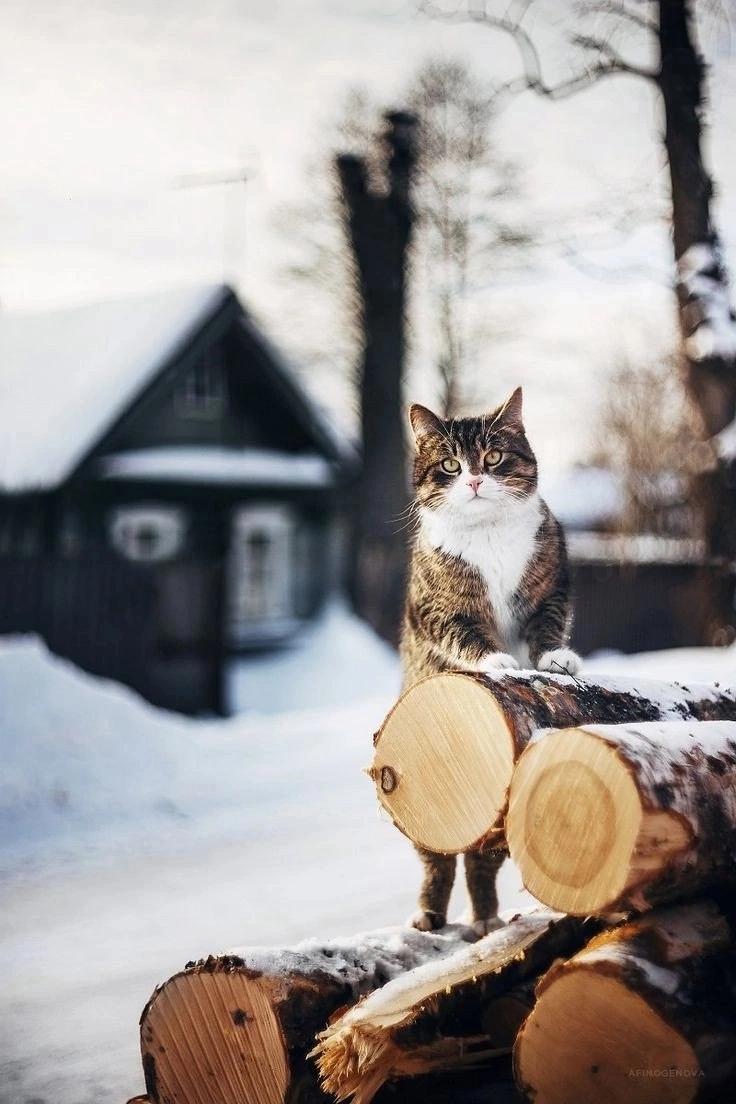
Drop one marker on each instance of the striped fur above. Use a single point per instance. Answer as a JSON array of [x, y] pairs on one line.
[[488, 586]]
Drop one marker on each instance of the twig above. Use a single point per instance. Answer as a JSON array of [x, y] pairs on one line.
[[609, 63]]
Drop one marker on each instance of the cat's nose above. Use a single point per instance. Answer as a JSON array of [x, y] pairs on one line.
[[474, 482]]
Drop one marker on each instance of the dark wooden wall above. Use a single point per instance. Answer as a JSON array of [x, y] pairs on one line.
[[640, 607], [104, 615]]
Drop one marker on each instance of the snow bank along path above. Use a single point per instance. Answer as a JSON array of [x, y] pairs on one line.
[[133, 840]]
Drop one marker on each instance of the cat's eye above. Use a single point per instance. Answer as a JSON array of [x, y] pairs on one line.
[[493, 458], [450, 465]]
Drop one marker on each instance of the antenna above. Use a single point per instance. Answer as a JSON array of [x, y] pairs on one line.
[[233, 225]]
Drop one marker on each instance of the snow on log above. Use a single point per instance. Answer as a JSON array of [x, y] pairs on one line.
[[616, 817], [236, 1028], [445, 754], [645, 1014], [445, 1014]]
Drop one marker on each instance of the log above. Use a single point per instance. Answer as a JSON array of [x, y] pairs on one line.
[[445, 754], [646, 1014], [464, 1009], [607, 818], [236, 1028]]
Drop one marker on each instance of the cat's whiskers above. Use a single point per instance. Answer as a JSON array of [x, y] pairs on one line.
[[411, 525], [409, 518], [410, 509]]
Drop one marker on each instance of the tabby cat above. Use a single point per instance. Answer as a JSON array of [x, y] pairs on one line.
[[488, 590]]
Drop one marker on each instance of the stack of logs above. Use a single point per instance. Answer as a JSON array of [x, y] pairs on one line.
[[617, 801]]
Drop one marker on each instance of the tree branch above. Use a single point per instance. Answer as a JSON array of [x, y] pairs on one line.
[[620, 10], [611, 56], [608, 63]]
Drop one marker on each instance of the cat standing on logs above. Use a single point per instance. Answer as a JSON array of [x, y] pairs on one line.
[[488, 590]]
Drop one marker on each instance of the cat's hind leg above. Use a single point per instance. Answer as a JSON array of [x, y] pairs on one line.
[[434, 896], [481, 871]]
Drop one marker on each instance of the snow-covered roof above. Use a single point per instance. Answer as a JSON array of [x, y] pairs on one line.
[[66, 375], [210, 464]]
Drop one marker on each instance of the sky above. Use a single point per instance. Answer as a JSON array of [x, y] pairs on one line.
[[114, 115]]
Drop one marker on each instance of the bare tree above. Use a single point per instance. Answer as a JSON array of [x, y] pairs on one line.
[[465, 198], [462, 184], [666, 28], [379, 220], [440, 239], [647, 435], [315, 269]]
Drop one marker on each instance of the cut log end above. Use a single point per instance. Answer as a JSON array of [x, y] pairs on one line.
[[577, 825], [447, 752], [621, 1051], [214, 1035]]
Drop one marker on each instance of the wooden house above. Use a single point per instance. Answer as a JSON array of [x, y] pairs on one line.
[[640, 591], [168, 492]]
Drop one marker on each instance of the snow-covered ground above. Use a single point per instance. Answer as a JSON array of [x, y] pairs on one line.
[[132, 840]]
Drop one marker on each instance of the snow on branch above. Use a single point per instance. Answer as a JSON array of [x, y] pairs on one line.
[[703, 287]]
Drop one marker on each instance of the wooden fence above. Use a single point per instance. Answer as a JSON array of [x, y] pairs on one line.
[[124, 621]]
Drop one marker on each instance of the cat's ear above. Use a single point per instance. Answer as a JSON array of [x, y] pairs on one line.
[[424, 423], [510, 413]]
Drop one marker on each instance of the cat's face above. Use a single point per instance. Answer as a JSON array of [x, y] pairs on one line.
[[472, 466]]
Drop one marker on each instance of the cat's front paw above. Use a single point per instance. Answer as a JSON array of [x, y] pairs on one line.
[[497, 661], [561, 661], [426, 921]]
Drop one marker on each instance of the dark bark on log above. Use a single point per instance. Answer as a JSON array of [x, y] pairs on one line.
[[535, 701], [481, 724], [236, 1028], [490, 1084], [379, 227], [646, 1012]]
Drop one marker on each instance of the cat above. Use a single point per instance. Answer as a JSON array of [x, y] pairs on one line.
[[488, 590]]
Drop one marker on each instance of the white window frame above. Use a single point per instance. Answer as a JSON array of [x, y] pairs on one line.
[[254, 612], [131, 529]]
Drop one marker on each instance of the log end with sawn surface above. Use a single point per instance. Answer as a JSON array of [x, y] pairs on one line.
[[445, 754]]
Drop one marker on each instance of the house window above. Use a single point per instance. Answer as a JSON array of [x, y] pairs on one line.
[[261, 579], [202, 391], [148, 534]]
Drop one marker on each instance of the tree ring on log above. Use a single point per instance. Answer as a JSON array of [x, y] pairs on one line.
[[589, 1038], [576, 819], [451, 746], [214, 1035]]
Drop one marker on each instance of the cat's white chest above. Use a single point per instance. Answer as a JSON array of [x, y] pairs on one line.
[[500, 550]]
